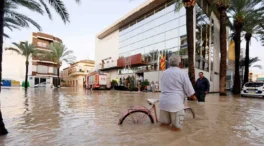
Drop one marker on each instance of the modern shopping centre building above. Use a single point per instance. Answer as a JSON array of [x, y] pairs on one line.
[[141, 42]]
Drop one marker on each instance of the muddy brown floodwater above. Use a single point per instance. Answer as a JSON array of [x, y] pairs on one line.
[[77, 117]]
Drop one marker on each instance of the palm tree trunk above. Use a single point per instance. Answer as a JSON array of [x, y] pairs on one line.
[[223, 19], [190, 43], [247, 37], [58, 74], [26, 76], [3, 130], [237, 82]]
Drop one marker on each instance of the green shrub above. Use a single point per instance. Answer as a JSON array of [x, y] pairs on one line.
[[144, 84], [114, 83]]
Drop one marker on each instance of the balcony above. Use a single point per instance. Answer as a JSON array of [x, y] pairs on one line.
[[77, 72], [39, 59], [111, 64]]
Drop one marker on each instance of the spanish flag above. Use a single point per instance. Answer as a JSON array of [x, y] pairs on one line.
[[163, 61]]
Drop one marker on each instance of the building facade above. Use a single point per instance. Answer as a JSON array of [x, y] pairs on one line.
[[74, 75], [43, 71], [13, 69], [141, 42]]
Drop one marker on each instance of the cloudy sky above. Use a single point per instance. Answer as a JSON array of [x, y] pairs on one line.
[[87, 20]]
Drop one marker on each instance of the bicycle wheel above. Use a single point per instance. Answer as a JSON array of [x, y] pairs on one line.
[[137, 117], [189, 113]]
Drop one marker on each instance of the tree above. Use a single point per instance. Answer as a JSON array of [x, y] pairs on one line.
[[241, 11], [189, 6], [58, 54], [59, 7], [255, 27], [250, 62], [27, 50], [222, 6]]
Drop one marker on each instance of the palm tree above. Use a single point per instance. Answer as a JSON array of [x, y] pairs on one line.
[[58, 54], [34, 6], [241, 11], [189, 6], [253, 27], [222, 6], [242, 62], [27, 50]]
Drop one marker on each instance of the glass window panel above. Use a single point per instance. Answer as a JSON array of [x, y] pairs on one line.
[[151, 18], [132, 27], [183, 30], [136, 25], [170, 8], [172, 24], [165, 18], [172, 34], [144, 21], [159, 21], [172, 43], [132, 33], [170, 16], [160, 37], [158, 30], [148, 41], [136, 38], [182, 20], [148, 33], [182, 11], [163, 28], [160, 46]]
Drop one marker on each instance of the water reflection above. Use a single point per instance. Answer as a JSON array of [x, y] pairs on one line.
[[73, 116]]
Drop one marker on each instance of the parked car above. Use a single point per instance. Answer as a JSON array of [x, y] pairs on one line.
[[253, 89], [40, 85]]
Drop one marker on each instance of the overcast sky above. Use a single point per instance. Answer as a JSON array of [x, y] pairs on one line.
[[87, 20]]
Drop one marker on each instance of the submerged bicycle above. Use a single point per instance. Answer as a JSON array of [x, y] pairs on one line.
[[143, 115]]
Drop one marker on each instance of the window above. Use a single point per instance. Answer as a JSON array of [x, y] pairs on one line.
[[254, 84], [55, 70], [41, 44], [42, 69]]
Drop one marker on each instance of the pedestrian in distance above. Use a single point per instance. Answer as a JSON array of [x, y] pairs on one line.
[[202, 87]]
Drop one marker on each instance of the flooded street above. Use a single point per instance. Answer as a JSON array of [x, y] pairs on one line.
[[77, 117]]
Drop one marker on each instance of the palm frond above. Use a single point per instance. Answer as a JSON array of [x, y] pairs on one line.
[[258, 66], [59, 53], [46, 8], [5, 35], [23, 19], [60, 8], [29, 4], [14, 49]]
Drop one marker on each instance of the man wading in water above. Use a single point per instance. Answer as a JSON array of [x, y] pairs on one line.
[[202, 87], [175, 85]]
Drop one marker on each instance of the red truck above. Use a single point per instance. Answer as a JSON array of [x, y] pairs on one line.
[[98, 80]]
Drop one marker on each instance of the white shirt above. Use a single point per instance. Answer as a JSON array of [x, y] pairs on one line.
[[175, 85]]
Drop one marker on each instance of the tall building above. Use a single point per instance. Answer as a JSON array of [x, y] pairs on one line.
[[43, 71], [74, 75], [141, 42]]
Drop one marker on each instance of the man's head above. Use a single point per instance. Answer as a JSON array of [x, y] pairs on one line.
[[201, 74], [174, 60]]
